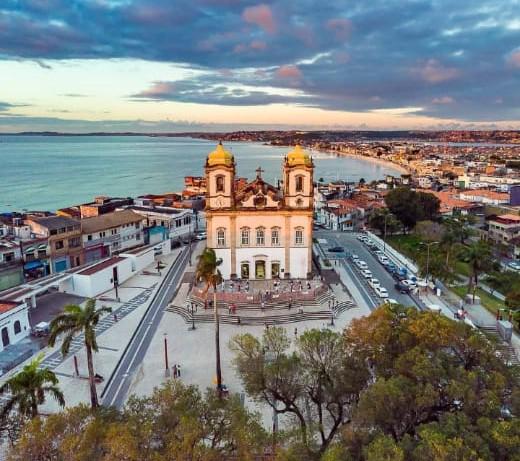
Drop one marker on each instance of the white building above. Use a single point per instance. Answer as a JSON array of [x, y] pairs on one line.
[[260, 231], [111, 233], [14, 322]]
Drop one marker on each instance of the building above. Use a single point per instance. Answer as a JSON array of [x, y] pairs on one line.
[[341, 216], [100, 205], [505, 229], [14, 322], [110, 233], [63, 235], [11, 270], [260, 231], [178, 223], [487, 197]]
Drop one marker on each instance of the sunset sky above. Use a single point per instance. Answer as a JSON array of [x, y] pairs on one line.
[[187, 65]]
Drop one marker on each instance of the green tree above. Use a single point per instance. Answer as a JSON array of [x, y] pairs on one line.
[[410, 206], [207, 272], [76, 320], [28, 388], [377, 220], [318, 383], [479, 257], [429, 230]]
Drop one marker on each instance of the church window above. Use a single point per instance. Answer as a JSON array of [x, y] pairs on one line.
[[244, 236], [298, 236], [220, 183], [299, 183], [275, 236], [260, 236], [221, 237]]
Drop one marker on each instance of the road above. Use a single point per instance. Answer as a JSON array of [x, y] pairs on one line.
[[114, 393], [353, 245]]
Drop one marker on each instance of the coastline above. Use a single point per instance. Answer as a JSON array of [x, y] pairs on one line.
[[379, 161]]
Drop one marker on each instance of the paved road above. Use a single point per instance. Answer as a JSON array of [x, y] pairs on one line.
[[114, 394], [353, 245]]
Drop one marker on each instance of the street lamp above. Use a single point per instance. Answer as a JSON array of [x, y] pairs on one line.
[[384, 234], [166, 367], [193, 309], [428, 245]]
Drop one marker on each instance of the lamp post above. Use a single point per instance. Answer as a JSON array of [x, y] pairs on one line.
[[116, 285], [269, 358], [428, 245], [384, 234], [166, 367], [193, 309]]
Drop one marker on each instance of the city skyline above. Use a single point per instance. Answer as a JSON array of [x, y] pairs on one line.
[[208, 65]]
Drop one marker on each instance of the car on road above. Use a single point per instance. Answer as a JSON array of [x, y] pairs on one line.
[[409, 282], [514, 265], [374, 283], [381, 292], [391, 301], [402, 288], [366, 273], [201, 236], [361, 264], [354, 257], [336, 250], [383, 260], [379, 253]]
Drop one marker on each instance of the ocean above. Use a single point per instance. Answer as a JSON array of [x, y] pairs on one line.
[[51, 172]]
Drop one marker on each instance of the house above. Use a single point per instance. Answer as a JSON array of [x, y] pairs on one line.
[[486, 197], [341, 217], [111, 233], [14, 322], [178, 223], [11, 271], [63, 236], [100, 205], [505, 229]]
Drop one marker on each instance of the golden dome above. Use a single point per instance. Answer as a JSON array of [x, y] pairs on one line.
[[220, 156], [298, 157]]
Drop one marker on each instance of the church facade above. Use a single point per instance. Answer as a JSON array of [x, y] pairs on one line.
[[258, 230]]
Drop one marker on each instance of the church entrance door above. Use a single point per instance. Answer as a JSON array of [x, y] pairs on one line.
[[260, 269], [244, 271]]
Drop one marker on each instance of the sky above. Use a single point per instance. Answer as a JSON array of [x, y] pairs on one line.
[[220, 65]]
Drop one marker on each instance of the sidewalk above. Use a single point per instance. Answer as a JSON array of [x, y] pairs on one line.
[[113, 336]]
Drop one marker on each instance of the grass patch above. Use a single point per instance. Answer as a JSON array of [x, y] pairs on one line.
[[408, 244], [491, 303]]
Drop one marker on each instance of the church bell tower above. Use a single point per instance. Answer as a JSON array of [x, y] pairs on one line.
[[220, 179], [298, 169]]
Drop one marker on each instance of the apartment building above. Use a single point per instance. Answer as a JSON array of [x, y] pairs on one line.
[[63, 236], [505, 229], [111, 233], [11, 273]]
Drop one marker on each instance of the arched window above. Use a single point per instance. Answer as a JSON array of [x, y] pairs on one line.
[[220, 183], [275, 236], [260, 236], [298, 236], [17, 327], [221, 237], [244, 236], [299, 183]]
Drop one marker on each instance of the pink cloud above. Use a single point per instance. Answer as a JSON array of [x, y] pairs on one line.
[[289, 71], [262, 16], [443, 100], [514, 59], [432, 71], [341, 27], [258, 45], [158, 89]]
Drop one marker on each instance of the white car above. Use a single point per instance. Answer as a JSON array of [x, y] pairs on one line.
[[366, 273], [381, 292], [515, 265], [374, 283], [379, 253], [354, 257], [201, 236], [362, 265], [409, 283], [368, 242], [383, 260], [390, 301]]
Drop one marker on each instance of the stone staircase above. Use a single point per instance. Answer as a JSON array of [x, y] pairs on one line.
[[504, 347], [273, 312]]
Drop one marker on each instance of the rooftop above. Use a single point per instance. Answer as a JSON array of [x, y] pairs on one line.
[[109, 220], [6, 305], [54, 222], [100, 266], [156, 209]]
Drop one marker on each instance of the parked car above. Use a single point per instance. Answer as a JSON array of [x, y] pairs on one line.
[[201, 236], [336, 250], [379, 253], [514, 265], [361, 264], [381, 292], [409, 282], [398, 276], [354, 257], [390, 301], [366, 273], [374, 283], [383, 260], [402, 288], [41, 329]]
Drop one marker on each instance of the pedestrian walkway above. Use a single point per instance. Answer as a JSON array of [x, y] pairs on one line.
[[56, 358]]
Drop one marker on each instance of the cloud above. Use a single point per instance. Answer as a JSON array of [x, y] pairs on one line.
[[341, 27], [432, 71], [262, 16], [514, 59], [443, 100], [289, 72]]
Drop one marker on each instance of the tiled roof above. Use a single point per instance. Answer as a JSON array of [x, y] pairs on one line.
[[109, 220], [55, 222], [100, 266], [6, 306]]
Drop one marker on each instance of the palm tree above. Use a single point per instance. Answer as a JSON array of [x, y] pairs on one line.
[[479, 257], [28, 389], [208, 273], [75, 320]]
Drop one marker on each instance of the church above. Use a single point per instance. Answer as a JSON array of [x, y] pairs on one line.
[[258, 230]]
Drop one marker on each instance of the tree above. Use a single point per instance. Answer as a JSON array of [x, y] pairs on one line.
[[479, 257], [429, 205], [319, 383], [28, 389], [208, 273], [410, 206], [76, 320], [459, 227], [429, 230], [377, 221]]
